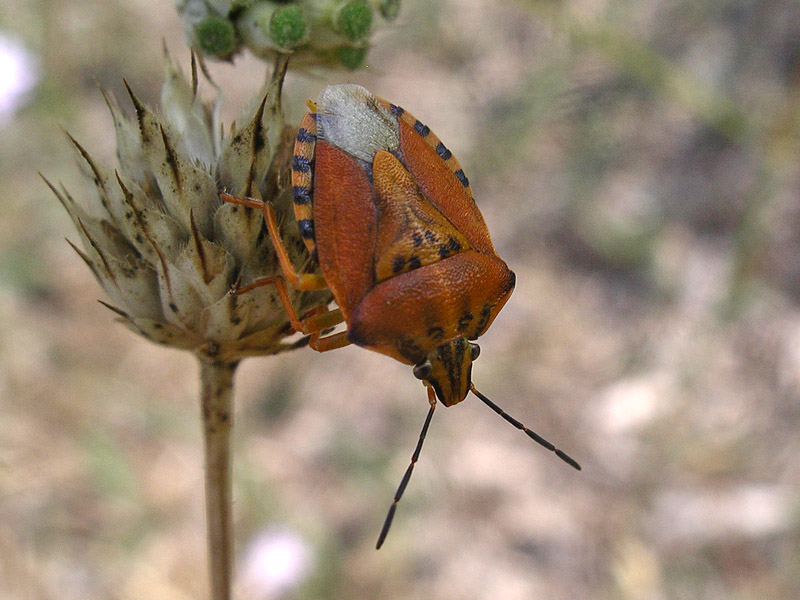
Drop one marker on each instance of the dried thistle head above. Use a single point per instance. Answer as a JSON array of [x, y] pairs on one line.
[[161, 243], [329, 33]]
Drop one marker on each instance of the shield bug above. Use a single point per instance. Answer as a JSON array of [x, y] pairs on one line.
[[388, 215]]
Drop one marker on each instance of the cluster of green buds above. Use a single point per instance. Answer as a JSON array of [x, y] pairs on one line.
[[329, 33], [163, 245]]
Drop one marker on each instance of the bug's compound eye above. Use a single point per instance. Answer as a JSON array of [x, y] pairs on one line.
[[475, 350], [423, 371]]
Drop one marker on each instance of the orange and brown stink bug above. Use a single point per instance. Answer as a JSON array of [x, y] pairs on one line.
[[388, 214]]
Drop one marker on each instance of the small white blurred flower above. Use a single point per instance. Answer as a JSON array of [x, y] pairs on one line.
[[19, 74], [276, 562]]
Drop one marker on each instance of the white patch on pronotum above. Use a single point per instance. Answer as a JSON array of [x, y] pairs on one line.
[[350, 118]]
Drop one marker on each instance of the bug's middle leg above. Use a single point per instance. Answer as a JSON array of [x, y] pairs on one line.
[[313, 324]]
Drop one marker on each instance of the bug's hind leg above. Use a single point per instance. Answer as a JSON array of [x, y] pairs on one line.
[[317, 322]]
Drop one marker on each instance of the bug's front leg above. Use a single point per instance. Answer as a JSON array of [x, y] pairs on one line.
[[318, 320], [299, 281]]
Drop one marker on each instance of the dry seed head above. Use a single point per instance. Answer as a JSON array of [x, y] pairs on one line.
[[161, 243]]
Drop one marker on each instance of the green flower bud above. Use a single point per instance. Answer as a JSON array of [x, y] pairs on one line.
[[287, 27], [267, 27], [353, 20], [216, 36]]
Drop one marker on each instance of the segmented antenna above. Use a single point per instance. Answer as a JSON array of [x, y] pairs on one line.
[[414, 457], [531, 434], [404, 482]]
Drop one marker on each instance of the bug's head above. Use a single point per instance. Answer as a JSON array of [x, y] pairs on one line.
[[448, 368]]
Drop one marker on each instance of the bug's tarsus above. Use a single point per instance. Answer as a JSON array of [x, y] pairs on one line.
[[234, 289], [530, 433], [387, 523]]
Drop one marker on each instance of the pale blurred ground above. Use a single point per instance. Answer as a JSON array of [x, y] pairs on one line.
[[637, 165]]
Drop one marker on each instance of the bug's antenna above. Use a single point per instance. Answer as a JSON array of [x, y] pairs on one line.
[[404, 482], [531, 434]]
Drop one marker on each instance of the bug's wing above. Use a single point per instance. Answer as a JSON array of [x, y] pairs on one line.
[[345, 219]]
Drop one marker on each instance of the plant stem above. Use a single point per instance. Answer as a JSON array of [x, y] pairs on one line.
[[216, 396]]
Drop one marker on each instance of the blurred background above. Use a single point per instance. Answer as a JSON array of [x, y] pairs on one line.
[[637, 165]]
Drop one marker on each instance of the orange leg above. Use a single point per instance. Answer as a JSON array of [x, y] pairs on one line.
[[299, 281], [317, 321], [329, 342]]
